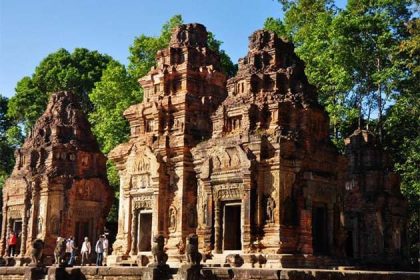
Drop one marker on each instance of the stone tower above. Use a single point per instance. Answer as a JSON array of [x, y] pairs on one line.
[[157, 181], [58, 186], [375, 210], [268, 178]]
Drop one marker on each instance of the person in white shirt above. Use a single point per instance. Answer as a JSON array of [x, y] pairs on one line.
[[71, 248], [105, 244], [85, 251], [99, 249]]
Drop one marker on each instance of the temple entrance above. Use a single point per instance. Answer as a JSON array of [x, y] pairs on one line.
[[232, 234], [17, 229], [319, 229], [145, 232], [83, 229], [349, 244], [17, 226]]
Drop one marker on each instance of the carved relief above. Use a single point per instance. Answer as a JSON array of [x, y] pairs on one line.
[[172, 218], [192, 216], [15, 212], [228, 191], [55, 225], [269, 209], [204, 213], [227, 159], [140, 181], [145, 201]]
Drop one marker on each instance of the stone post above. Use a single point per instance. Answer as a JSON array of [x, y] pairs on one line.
[[4, 228], [217, 227], [24, 237], [134, 225], [246, 212]]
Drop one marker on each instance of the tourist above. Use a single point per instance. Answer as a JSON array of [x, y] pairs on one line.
[[72, 250], [85, 251], [99, 249], [11, 242], [106, 246]]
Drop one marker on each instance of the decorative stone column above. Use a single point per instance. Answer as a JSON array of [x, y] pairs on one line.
[[217, 227], [4, 228], [246, 212], [24, 236], [134, 225]]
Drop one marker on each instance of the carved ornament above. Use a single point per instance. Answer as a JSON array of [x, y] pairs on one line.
[[143, 201], [228, 191]]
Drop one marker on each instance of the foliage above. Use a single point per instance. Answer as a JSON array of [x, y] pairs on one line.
[[402, 131], [364, 61], [308, 25], [144, 48], [114, 93], [6, 148], [277, 26], [349, 55], [228, 68], [61, 70], [114, 182], [27, 104]]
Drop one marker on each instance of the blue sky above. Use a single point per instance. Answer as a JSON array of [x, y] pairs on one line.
[[30, 30]]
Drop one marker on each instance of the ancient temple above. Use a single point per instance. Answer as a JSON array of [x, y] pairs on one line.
[[268, 178], [375, 210], [246, 163], [157, 180], [58, 186]]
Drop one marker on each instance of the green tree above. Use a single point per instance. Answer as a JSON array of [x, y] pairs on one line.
[[6, 148], [228, 68], [61, 70], [367, 35], [349, 55], [114, 93], [277, 26], [363, 59], [402, 131], [308, 24], [144, 48], [27, 104]]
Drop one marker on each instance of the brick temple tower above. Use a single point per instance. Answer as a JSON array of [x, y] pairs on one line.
[[58, 186], [375, 210], [158, 186], [268, 178]]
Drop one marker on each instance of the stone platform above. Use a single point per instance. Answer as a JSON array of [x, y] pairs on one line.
[[206, 273]]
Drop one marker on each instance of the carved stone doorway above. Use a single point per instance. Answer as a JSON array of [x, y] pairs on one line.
[[349, 244], [319, 229], [145, 231], [232, 237], [17, 226], [84, 229], [17, 229]]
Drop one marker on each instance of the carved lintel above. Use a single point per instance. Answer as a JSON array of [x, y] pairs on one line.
[[144, 200], [228, 191]]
